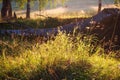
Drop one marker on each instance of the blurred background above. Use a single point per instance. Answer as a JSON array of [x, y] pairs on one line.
[[69, 7]]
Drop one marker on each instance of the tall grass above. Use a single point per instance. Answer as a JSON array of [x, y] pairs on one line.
[[64, 58]]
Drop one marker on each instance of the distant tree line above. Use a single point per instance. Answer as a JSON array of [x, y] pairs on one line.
[[117, 2], [6, 11]]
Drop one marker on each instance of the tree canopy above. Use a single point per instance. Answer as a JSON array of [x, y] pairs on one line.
[[117, 2], [42, 3]]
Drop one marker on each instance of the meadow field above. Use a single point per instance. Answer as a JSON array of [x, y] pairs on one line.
[[67, 57], [72, 56]]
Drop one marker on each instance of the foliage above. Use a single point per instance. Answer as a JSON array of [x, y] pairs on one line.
[[38, 23], [64, 58], [117, 2], [42, 3]]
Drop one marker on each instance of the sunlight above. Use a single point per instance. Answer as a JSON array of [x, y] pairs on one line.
[[68, 40]]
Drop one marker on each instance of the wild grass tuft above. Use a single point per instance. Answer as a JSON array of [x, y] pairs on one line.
[[64, 58]]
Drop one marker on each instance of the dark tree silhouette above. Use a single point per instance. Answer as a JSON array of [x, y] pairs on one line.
[[28, 9], [6, 11], [99, 5]]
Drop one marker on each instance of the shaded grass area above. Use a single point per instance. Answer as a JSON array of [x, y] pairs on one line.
[[47, 22], [64, 58]]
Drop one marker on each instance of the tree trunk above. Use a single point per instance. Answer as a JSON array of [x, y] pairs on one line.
[[28, 9], [99, 5], [6, 11]]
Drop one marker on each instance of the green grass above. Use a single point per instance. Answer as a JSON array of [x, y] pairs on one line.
[[47, 22], [64, 58]]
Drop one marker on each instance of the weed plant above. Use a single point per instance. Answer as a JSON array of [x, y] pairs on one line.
[[64, 58]]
